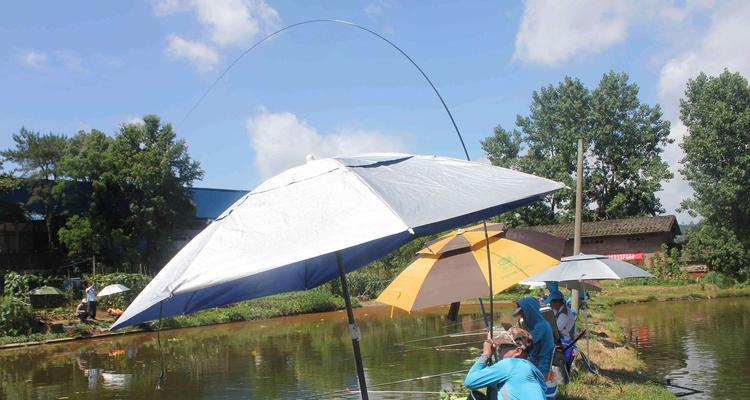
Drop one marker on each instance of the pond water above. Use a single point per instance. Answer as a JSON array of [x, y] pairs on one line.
[[291, 357], [703, 345]]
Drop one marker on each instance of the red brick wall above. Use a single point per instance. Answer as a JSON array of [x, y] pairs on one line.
[[648, 244]]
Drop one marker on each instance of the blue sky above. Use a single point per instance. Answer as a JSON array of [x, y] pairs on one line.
[[326, 89]]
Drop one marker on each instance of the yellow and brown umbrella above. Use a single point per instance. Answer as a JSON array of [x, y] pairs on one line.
[[454, 267]]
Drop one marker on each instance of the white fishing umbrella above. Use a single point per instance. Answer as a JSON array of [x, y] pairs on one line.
[[590, 266], [112, 289], [322, 219], [577, 269]]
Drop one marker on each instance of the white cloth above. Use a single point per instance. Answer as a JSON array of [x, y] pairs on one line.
[[566, 323], [90, 294]]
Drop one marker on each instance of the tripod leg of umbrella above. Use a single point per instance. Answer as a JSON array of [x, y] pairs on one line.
[[489, 275], [586, 323], [353, 329], [484, 314]]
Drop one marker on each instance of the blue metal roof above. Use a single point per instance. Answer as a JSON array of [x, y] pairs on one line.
[[210, 203]]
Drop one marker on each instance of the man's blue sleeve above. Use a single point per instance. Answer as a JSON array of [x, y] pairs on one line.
[[480, 375]]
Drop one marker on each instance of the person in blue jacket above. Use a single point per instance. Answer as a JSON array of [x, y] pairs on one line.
[[543, 345], [513, 377]]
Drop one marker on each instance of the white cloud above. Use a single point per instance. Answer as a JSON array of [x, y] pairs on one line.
[[553, 31], [723, 45], [226, 22], [720, 46], [59, 60], [200, 56], [235, 22], [281, 141], [133, 121], [34, 59]]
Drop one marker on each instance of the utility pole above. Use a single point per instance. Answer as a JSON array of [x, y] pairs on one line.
[[579, 211]]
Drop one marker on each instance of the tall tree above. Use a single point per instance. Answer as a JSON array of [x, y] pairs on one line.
[[37, 157], [625, 154], [10, 211], [623, 141], [90, 181], [154, 172], [716, 112]]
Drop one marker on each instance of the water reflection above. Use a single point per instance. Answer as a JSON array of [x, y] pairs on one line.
[[282, 358], [700, 344]]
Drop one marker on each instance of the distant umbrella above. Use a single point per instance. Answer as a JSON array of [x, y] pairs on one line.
[[112, 289], [47, 291], [590, 266], [454, 267]]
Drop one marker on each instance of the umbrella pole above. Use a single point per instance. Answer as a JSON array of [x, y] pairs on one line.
[[353, 328], [489, 275], [484, 314]]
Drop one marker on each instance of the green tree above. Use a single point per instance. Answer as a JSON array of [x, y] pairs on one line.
[[90, 181], [154, 172], [625, 155], [623, 140], [37, 157], [716, 112], [10, 211]]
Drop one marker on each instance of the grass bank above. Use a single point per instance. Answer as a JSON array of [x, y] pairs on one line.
[[614, 356], [316, 300]]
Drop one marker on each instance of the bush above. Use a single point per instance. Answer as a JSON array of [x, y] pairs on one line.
[[16, 317], [667, 264], [719, 279], [18, 286]]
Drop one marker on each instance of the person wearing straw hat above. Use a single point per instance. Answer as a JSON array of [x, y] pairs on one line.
[[513, 377], [82, 311]]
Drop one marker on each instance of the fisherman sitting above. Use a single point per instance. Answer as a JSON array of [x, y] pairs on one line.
[[541, 351], [82, 311], [566, 323], [513, 376]]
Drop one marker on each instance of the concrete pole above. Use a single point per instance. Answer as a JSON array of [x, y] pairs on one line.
[[579, 211]]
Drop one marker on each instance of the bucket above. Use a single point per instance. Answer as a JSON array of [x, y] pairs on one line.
[[551, 392]]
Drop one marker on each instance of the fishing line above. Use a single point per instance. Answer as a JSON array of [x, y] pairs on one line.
[[349, 390], [161, 350], [450, 335], [443, 346]]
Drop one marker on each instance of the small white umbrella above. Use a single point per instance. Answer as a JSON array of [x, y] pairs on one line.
[[590, 266], [112, 289], [577, 269]]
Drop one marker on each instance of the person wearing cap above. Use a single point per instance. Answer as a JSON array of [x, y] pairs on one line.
[[82, 311], [566, 323], [513, 377], [91, 299], [543, 344]]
